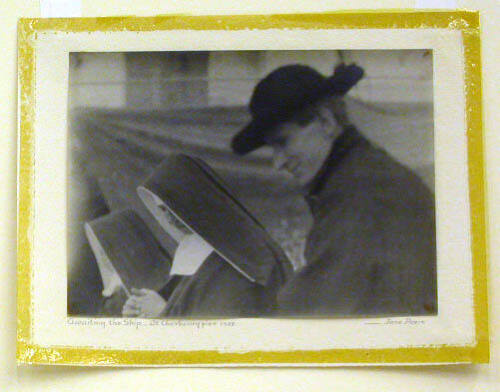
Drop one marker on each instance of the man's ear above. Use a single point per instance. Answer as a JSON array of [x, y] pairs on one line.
[[328, 119]]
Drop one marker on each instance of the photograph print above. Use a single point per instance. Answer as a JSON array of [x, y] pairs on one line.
[[229, 184]]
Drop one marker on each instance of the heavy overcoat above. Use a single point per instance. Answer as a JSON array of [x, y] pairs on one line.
[[371, 249], [219, 290]]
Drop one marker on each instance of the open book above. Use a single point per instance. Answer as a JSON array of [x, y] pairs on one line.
[[127, 253]]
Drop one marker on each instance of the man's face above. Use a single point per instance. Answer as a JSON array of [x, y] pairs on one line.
[[301, 149]]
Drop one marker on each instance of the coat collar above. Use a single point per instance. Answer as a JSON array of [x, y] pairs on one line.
[[317, 189]]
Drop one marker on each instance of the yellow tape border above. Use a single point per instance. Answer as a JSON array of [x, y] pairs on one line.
[[465, 21]]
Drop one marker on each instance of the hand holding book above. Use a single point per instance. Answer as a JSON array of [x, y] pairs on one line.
[[189, 255], [144, 303]]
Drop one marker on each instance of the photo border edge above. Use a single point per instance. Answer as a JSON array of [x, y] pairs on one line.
[[466, 21]]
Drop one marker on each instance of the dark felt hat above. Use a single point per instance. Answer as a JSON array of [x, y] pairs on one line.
[[197, 196], [283, 93]]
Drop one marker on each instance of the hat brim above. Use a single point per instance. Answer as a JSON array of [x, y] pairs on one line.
[[249, 138], [193, 193]]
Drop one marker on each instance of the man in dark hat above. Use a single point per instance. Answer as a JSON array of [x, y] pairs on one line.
[[371, 249]]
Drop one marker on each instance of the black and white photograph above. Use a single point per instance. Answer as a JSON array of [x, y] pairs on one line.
[[251, 184]]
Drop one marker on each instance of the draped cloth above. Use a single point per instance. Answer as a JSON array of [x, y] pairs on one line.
[[115, 150]]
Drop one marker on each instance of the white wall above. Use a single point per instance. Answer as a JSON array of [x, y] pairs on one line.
[[393, 76], [232, 77], [390, 76], [97, 80], [100, 79]]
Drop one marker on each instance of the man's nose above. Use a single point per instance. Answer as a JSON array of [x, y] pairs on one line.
[[279, 159]]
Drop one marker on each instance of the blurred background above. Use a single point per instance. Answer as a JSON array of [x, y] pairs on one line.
[[127, 110]]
